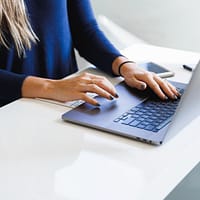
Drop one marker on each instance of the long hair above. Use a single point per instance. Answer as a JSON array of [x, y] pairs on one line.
[[14, 22]]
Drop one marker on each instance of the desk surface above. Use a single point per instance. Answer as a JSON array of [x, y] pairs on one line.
[[44, 158]]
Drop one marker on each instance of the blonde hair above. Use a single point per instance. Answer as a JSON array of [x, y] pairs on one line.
[[14, 21]]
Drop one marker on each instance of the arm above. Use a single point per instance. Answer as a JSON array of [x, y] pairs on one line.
[[10, 86], [14, 86], [88, 38], [95, 47], [74, 88], [139, 78]]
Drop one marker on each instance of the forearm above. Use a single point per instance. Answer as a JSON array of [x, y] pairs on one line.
[[88, 39], [69, 89], [46, 88], [36, 87], [116, 63], [10, 86]]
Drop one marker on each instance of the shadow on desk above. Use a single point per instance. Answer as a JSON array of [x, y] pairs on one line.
[[188, 188]]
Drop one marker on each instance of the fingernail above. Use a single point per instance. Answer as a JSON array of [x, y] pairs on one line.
[[175, 97], [97, 104], [166, 98], [116, 95], [179, 94], [142, 86], [111, 98]]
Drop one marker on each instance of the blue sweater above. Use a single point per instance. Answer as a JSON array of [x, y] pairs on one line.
[[61, 26]]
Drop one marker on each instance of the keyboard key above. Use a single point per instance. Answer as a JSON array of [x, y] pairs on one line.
[[134, 123], [141, 119], [128, 120], [134, 109], [151, 115], [140, 105], [155, 130], [145, 116], [149, 127], [157, 114], [117, 120], [125, 114], [163, 124], [149, 120], [141, 126], [156, 123], [145, 123], [139, 113], [160, 120], [136, 116]]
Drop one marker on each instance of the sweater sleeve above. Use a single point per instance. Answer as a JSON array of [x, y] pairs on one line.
[[88, 39], [10, 86]]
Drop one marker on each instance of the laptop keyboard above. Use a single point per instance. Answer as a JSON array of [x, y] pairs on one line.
[[151, 115]]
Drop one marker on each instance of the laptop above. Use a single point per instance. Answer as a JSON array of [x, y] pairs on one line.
[[141, 115]]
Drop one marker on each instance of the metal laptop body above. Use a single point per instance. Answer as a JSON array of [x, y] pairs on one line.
[[103, 117]]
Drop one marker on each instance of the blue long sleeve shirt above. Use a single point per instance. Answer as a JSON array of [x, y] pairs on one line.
[[61, 26]]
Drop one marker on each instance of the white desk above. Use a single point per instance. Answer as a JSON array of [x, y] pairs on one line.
[[44, 158]]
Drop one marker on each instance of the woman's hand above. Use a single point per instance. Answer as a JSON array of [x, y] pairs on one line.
[[72, 88], [139, 78]]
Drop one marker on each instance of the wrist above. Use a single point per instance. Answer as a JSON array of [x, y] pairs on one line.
[[123, 65], [37, 87], [120, 64]]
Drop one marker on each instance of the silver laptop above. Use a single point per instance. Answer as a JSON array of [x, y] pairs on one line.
[[141, 115]]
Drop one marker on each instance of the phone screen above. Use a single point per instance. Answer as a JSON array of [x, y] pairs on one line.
[[152, 67]]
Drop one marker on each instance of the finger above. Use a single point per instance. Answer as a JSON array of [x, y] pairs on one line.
[[93, 76], [89, 99], [174, 89], [98, 90], [140, 85], [155, 87], [165, 87], [102, 82], [106, 85]]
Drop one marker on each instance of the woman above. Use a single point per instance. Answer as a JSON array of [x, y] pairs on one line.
[[37, 41]]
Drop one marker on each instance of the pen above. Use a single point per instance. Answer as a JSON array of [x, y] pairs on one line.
[[187, 67]]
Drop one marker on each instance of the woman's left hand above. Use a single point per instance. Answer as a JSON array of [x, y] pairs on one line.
[[139, 78]]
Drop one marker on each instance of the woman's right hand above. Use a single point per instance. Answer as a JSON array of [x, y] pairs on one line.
[[72, 88]]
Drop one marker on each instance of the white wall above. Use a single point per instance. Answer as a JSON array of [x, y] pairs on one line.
[[171, 23]]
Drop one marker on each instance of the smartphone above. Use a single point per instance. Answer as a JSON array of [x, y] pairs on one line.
[[158, 69]]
